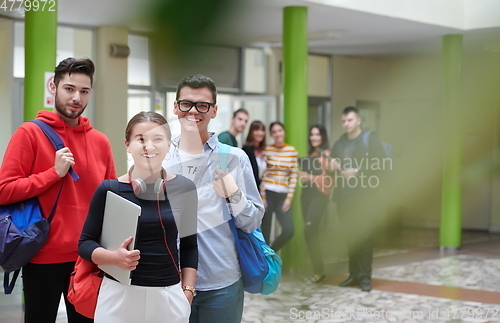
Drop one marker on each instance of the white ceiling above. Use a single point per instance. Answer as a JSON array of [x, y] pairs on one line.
[[354, 32], [358, 33], [332, 30]]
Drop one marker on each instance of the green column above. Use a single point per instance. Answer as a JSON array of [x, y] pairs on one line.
[[451, 207], [295, 112], [40, 45]]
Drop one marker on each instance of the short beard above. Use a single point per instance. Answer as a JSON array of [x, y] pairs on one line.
[[68, 114]]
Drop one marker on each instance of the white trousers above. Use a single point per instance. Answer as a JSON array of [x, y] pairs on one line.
[[118, 303]]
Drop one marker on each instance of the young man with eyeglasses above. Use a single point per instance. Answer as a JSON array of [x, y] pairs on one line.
[[195, 155]]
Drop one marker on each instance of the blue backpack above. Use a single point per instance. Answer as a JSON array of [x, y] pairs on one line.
[[23, 229], [260, 265], [388, 149]]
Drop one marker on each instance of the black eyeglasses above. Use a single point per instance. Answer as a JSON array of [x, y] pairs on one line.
[[201, 107]]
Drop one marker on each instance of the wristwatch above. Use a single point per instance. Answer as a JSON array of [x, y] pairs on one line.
[[235, 197], [190, 288]]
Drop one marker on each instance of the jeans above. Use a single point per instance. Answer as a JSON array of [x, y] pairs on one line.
[[313, 210], [43, 285], [223, 305], [274, 204]]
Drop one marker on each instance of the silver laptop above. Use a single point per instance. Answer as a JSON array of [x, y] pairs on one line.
[[120, 222]]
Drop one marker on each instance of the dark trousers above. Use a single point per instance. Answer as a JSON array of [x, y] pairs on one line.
[[358, 233], [313, 210], [43, 285], [274, 205]]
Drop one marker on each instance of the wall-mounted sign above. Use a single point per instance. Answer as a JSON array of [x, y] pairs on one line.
[[48, 98]]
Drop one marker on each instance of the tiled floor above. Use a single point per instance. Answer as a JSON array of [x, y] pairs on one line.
[[464, 271], [413, 282], [300, 302]]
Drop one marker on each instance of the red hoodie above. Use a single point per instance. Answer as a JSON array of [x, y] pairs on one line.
[[28, 170]]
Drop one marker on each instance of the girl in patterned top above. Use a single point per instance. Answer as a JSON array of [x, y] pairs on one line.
[[278, 185]]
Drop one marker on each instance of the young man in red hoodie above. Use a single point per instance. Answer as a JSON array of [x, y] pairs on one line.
[[31, 167]]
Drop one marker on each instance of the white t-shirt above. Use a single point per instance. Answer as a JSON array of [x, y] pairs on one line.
[[190, 164]]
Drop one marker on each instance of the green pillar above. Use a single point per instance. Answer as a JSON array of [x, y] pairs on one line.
[[450, 234], [295, 113], [40, 45]]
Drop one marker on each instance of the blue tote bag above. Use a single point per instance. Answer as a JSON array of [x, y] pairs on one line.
[[260, 265]]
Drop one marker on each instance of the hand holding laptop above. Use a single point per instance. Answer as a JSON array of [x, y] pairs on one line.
[[127, 259], [118, 231]]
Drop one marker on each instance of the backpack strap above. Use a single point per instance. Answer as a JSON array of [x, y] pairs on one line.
[[366, 140], [223, 162], [223, 156], [8, 285], [56, 141], [53, 211]]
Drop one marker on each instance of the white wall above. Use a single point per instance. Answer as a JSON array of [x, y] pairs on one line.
[[255, 77], [111, 88], [481, 14], [449, 13], [481, 76], [6, 75], [274, 79], [461, 14], [409, 91], [318, 71]]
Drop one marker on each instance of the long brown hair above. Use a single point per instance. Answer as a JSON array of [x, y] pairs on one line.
[[324, 138], [256, 125]]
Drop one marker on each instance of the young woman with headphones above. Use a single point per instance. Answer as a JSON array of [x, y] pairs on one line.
[[163, 274]]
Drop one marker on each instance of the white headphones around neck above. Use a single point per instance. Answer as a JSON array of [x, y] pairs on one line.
[[139, 186]]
